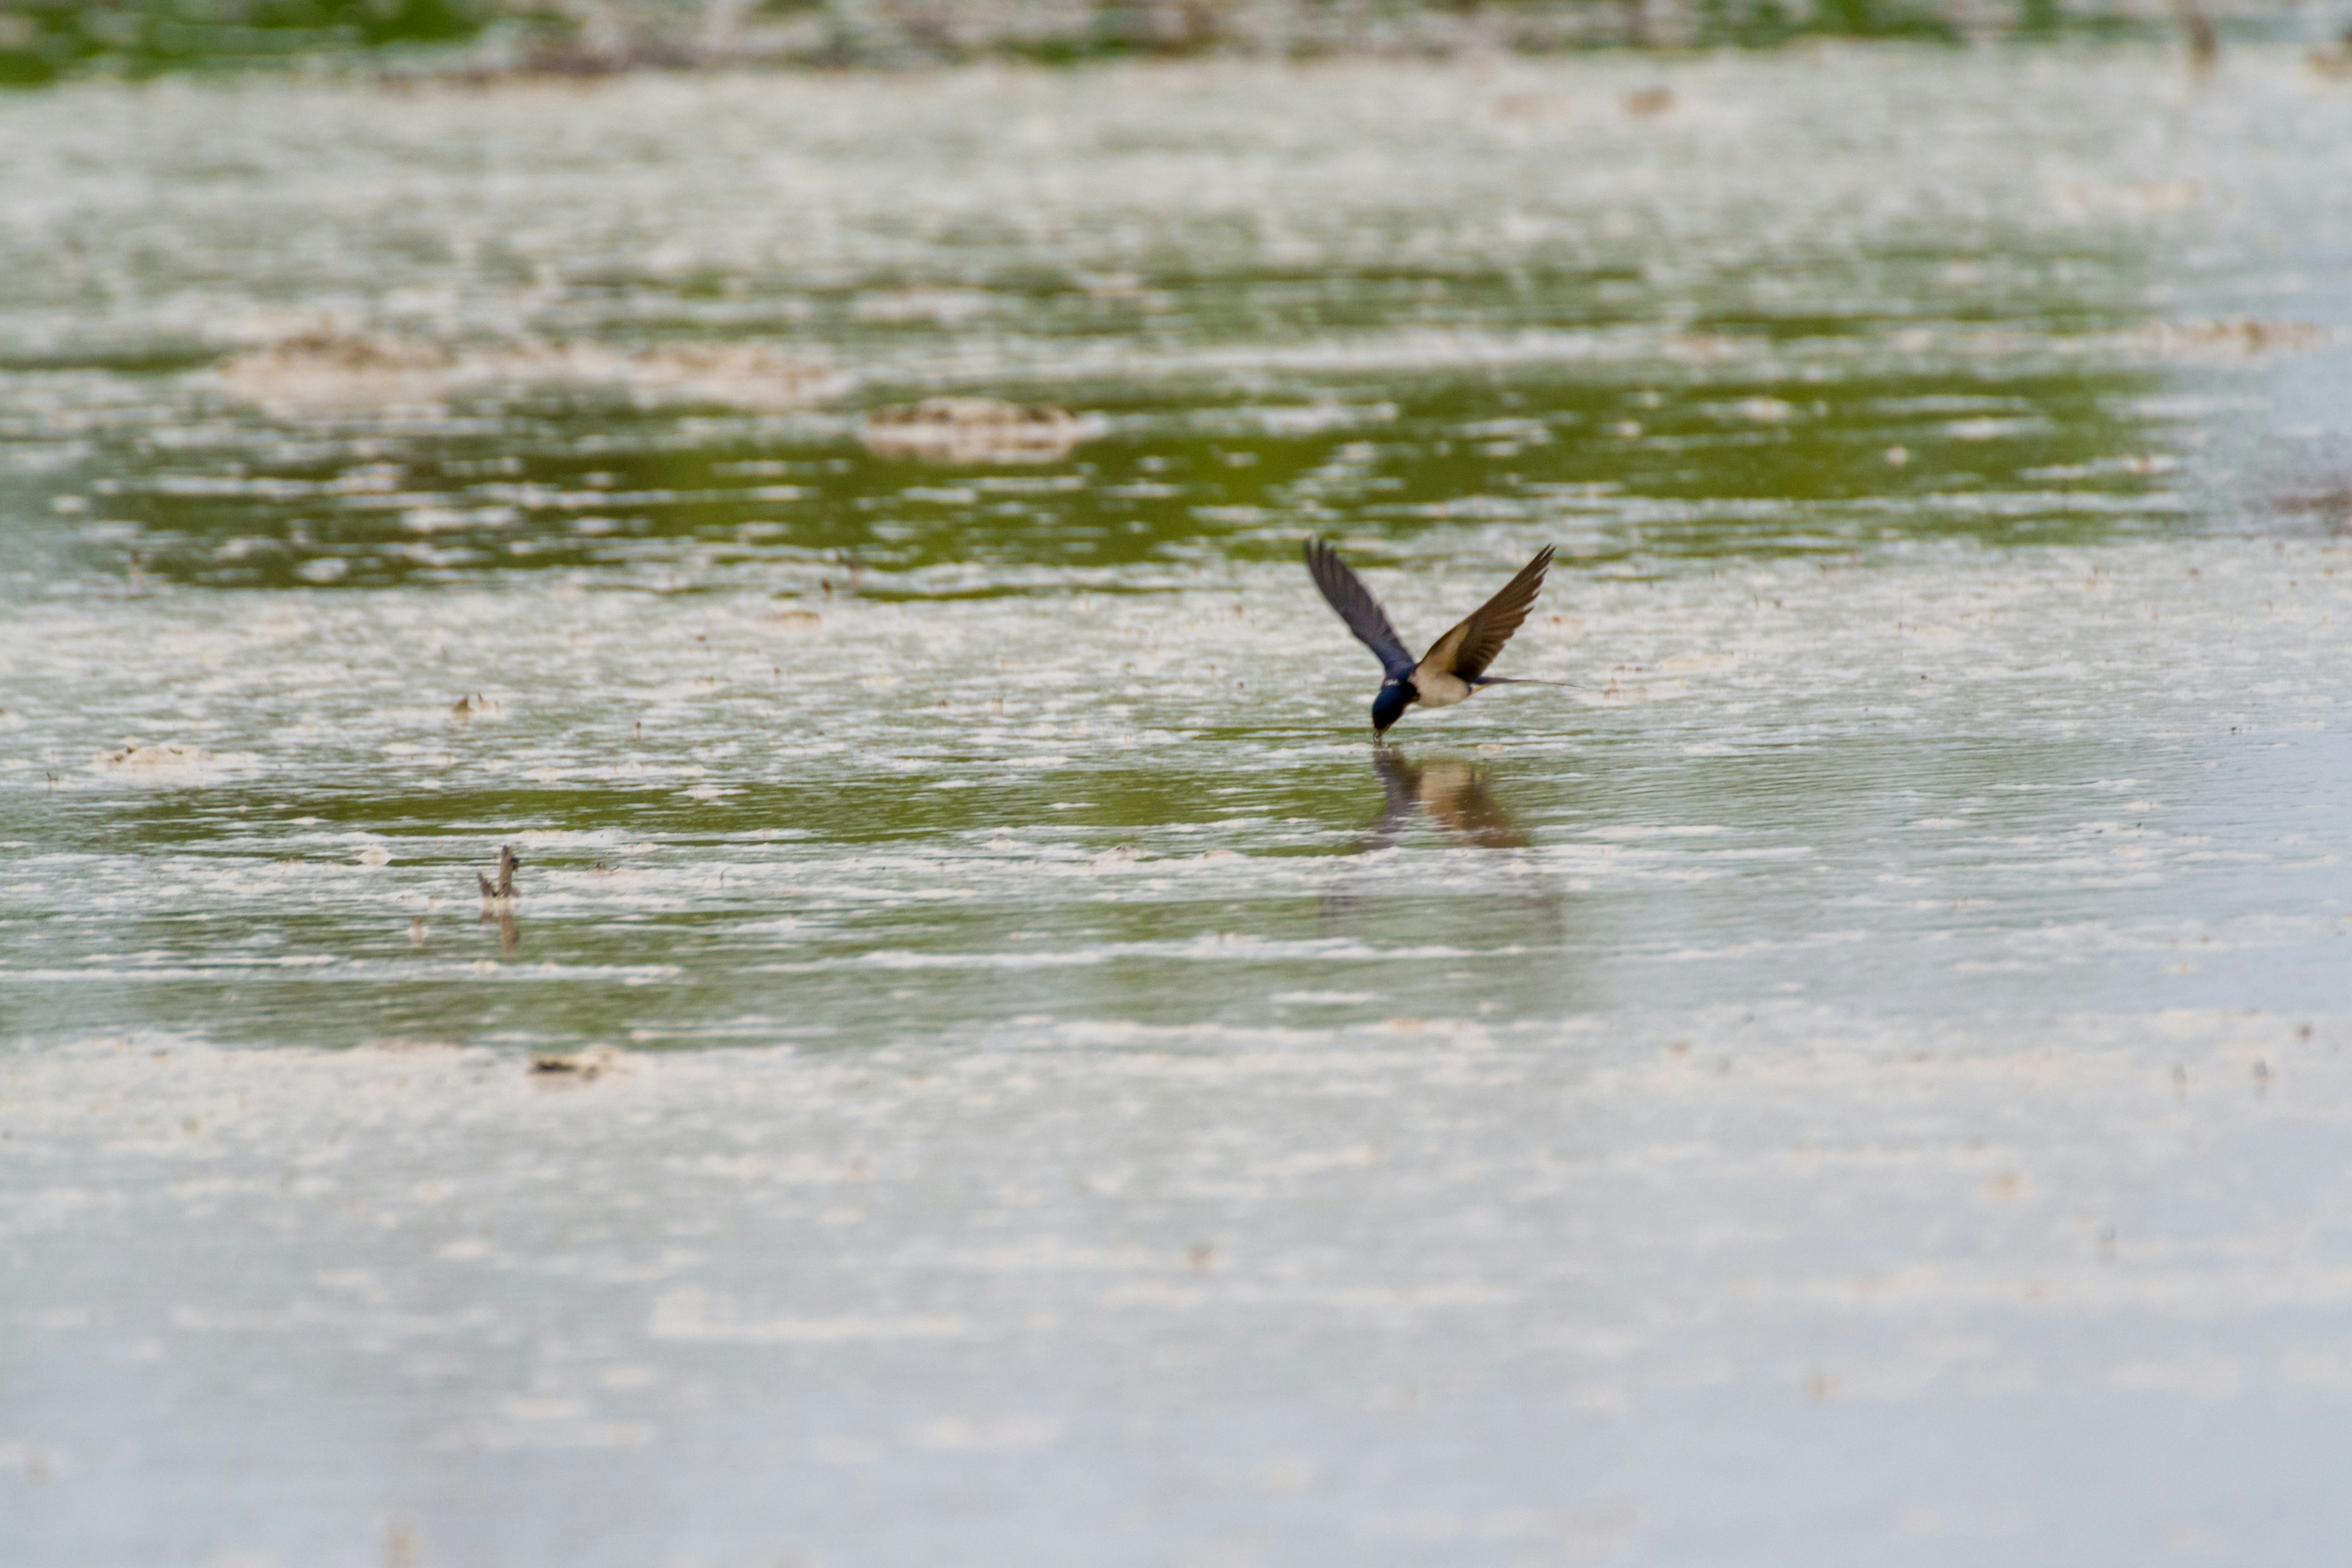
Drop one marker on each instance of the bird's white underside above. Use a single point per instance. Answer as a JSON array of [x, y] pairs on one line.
[[1439, 688]]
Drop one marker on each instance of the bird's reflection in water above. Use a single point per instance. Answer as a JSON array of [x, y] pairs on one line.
[[1459, 797], [510, 935], [1455, 794]]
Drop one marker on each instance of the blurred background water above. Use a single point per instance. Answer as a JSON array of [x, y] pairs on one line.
[[1028, 1081], [43, 41]]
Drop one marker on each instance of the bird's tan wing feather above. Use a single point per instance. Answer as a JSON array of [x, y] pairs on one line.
[[1470, 648]]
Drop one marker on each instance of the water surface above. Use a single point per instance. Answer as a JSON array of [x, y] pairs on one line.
[[1800, 1089]]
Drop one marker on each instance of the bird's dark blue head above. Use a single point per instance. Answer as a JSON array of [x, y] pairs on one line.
[[1394, 697]]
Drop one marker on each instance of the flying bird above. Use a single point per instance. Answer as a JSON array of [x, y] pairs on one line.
[[1455, 668]]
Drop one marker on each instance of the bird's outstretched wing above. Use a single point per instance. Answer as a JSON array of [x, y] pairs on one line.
[[1470, 648], [1356, 606]]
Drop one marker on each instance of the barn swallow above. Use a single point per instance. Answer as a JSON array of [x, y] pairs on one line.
[[1455, 668]]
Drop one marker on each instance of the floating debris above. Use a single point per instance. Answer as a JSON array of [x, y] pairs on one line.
[[2197, 31], [2329, 501], [2241, 336], [468, 708], [167, 756], [1526, 105], [325, 367], [976, 431], [593, 1062], [170, 763]]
